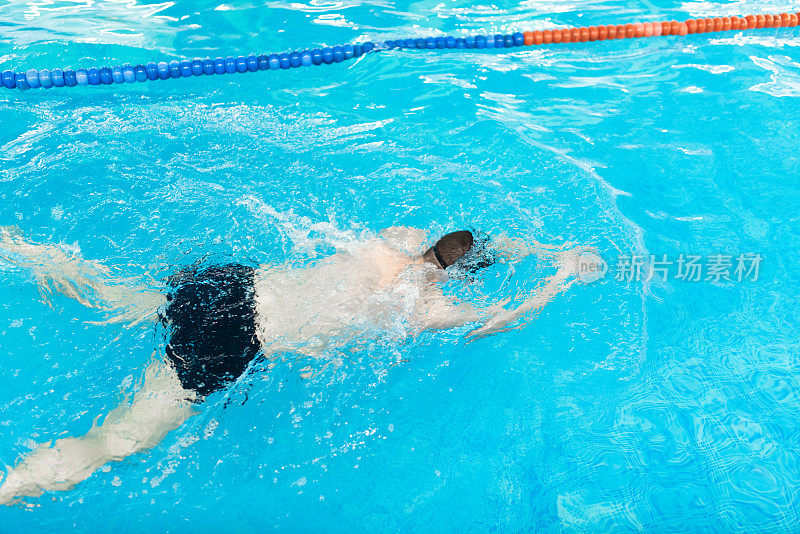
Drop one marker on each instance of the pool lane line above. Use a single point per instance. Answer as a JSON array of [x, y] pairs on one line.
[[34, 79]]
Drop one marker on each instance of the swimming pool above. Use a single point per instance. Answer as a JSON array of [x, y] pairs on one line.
[[657, 405]]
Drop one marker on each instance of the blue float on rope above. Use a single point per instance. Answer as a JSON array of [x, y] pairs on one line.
[[162, 70]]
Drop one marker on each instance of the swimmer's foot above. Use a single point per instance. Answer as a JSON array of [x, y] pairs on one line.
[[7, 488], [14, 487]]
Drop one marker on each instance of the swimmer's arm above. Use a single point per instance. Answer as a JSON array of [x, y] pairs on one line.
[[511, 249], [64, 270], [565, 276], [442, 312], [438, 311]]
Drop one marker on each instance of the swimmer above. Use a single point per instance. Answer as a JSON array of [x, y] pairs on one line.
[[221, 318]]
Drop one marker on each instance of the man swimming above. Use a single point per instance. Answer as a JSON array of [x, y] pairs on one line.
[[221, 318]]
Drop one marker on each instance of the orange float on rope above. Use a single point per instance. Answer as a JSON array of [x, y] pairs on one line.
[[528, 36], [663, 28]]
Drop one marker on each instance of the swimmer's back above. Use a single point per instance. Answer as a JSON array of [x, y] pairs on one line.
[[298, 309]]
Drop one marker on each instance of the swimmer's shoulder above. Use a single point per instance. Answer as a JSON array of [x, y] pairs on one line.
[[410, 240]]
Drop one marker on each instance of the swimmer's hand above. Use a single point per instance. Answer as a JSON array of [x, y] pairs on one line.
[[4, 499]]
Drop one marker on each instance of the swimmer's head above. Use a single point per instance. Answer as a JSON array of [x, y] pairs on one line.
[[449, 249], [461, 248]]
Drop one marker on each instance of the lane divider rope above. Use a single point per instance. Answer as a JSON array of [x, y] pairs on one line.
[[34, 79]]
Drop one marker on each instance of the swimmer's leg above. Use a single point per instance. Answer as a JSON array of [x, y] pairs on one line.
[[161, 406], [63, 269]]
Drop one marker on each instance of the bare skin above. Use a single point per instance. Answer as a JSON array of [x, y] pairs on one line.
[[306, 311]]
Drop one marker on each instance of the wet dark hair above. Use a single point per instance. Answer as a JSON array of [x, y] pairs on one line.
[[454, 246]]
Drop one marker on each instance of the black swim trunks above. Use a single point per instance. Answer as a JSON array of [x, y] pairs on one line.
[[210, 318]]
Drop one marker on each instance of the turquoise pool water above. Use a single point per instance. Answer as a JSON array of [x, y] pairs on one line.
[[655, 405]]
